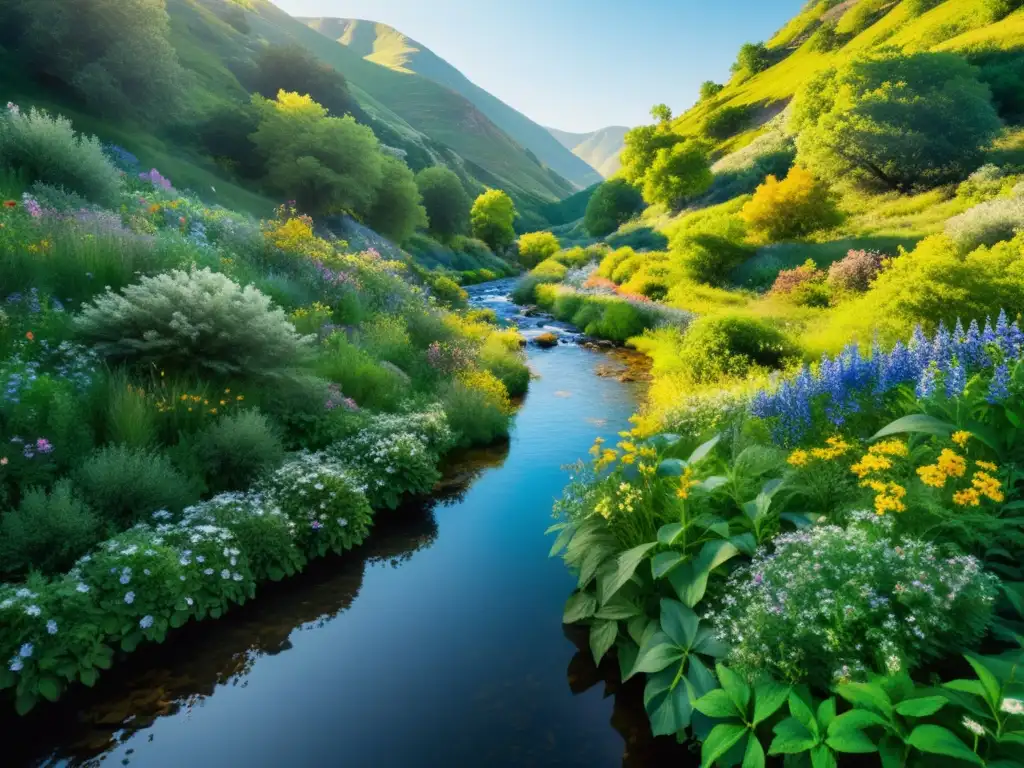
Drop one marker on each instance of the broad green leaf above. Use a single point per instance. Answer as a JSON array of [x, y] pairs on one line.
[[89, 677], [663, 562], [753, 757], [714, 553], [745, 543], [667, 706], [822, 757], [916, 422], [768, 697], [669, 534], [618, 608], [580, 606], [713, 482], [627, 651], [678, 622], [987, 679], [973, 687], [799, 519], [791, 738], [555, 527], [826, 712], [699, 679], [625, 567], [736, 687], [708, 644], [592, 561], [24, 702], [799, 709], [922, 707], [941, 741], [703, 450], [719, 741], [671, 468], [857, 718], [664, 440], [850, 740], [690, 581], [49, 688], [866, 696], [716, 703], [636, 628], [602, 637], [562, 541], [656, 654], [891, 750]]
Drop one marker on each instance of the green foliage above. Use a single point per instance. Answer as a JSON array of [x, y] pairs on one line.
[[293, 69], [47, 532], [717, 346], [677, 174], [127, 485], [236, 450], [752, 58], [826, 38], [795, 206], [536, 247], [987, 223], [661, 113], [895, 122], [725, 122], [919, 7], [613, 203], [396, 211], [360, 376], [491, 218], [445, 200], [1000, 9], [47, 149], [448, 292], [192, 321], [710, 89], [640, 147]]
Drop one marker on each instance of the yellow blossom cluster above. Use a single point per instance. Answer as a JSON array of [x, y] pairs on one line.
[[834, 448], [960, 438], [198, 403], [869, 463], [686, 482], [888, 496], [624, 499]]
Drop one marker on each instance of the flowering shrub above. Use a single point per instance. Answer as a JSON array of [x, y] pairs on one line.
[[795, 206], [154, 177], [855, 271], [987, 223], [325, 501], [803, 285], [830, 604]]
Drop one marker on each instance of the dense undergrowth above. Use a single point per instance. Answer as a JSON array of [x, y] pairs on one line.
[[195, 402]]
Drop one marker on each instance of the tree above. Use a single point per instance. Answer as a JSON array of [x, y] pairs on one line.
[[612, 204], [293, 69], [396, 211], [326, 164], [113, 54], [895, 122], [793, 207], [678, 173], [661, 113], [640, 147], [536, 247], [445, 200], [752, 58], [492, 217], [709, 89]]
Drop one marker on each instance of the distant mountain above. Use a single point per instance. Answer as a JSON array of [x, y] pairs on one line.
[[389, 48], [599, 149]]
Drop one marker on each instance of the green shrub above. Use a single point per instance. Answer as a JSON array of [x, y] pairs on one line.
[[620, 320], [708, 258], [613, 203], [492, 217], [716, 346], [795, 206], [826, 39], [47, 532], [725, 122], [477, 408], [1000, 9], [987, 223], [46, 149], [833, 603], [126, 485], [501, 356], [445, 199], [918, 7], [387, 338], [358, 375], [537, 247], [236, 450], [448, 292], [192, 321], [678, 173], [752, 58], [396, 210], [131, 419]]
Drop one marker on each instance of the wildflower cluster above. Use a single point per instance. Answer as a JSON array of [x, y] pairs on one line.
[[154, 177], [950, 467], [623, 499], [832, 604], [195, 402], [449, 357], [843, 381], [337, 399]]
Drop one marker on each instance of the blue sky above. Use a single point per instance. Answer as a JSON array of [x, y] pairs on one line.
[[577, 65]]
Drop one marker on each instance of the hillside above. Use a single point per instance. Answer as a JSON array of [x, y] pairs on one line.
[[389, 48], [599, 149]]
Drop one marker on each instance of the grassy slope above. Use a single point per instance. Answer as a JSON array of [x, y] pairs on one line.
[[387, 47], [600, 149]]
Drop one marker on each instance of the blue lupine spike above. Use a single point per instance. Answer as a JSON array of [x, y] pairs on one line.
[[999, 387], [955, 380]]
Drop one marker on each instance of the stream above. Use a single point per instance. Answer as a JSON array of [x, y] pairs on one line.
[[437, 643]]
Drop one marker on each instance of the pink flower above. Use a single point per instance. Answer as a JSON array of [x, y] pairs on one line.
[[43, 445], [3, 461]]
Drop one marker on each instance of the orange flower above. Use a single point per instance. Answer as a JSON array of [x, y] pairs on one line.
[[30, 336], [10, 203]]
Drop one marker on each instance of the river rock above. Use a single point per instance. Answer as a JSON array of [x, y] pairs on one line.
[[546, 340]]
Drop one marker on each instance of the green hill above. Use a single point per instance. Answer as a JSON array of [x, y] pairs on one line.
[[389, 48], [599, 149]]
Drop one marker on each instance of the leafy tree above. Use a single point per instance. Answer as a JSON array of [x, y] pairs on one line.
[[492, 217], [294, 69], [678, 173], [710, 89], [640, 147], [612, 203], [725, 122], [895, 122], [662, 113], [326, 164], [752, 58], [224, 134], [1000, 9], [114, 54], [397, 210], [795, 206], [445, 200], [536, 247]]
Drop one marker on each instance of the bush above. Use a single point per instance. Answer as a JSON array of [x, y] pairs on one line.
[[501, 356], [793, 207], [47, 532], [752, 58], [855, 271], [894, 121], [709, 258], [126, 485], [709, 89], [832, 603], [396, 210], [677, 174], [477, 406], [536, 247], [987, 223], [826, 38], [236, 450], [491, 218], [613, 203], [192, 321], [46, 149], [918, 7], [717, 346], [725, 122], [1000, 9], [446, 201], [448, 292], [805, 285], [293, 69]]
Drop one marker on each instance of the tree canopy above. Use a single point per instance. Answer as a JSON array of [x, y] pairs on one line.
[[678, 173], [536, 247], [894, 121], [445, 200], [613, 203], [294, 69], [396, 210], [709, 89], [492, 218], [752, 58]]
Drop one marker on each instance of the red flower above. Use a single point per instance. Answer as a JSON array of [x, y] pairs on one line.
[[10, 203], [30, 336]]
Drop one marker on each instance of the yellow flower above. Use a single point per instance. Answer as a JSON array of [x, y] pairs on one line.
[[799, 458], [869, 463], [627, 446], [629, 458], [227, 391], [223, 402], [988, 486], [240, 397], [960, 438], [646, 469], [967, 498], [647, 452], [686, 482], [875, 485], [213, 411], [889, 448], [932, 475], [952, 464], [987, 465], [885, 503]]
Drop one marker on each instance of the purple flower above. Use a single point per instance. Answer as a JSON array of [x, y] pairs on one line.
[[316, 525]]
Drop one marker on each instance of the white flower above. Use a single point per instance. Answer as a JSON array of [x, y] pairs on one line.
[[16, 664], [146, 622], [51, 627], [236, 576], [1013, 706], [23, 593], [225, 574], [208, 572], [26, 650], [82, 587], [129, 598], [33, 610], [973, 726], [189, 601], [6, 603]]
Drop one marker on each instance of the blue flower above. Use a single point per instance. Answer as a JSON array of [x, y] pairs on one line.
[[129, 598], [16, 664], [51, 627], [146, 622], [26, 650], [999, 387]]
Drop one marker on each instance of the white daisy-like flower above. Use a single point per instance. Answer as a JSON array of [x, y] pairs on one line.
[[1012, 706], [973, 726]]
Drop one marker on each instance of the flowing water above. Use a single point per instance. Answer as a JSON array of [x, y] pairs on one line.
[[438, 643]]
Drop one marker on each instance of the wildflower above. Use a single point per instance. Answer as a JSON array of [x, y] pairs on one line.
[[952, 464], [316, 525], [973, 726], [51, 627], [967, 498], [889, 448], [931, 475], [961, 437], [3, 461], [146, 622], [26, 650], [986, 465], [32, 610], [208, 572], [799, 458], [1013, 706], [988, 486], [30, 336], [16, 664], [82, 587], [129, 598], [686, 482], [225, 574], [10, 203], [869, 463]]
